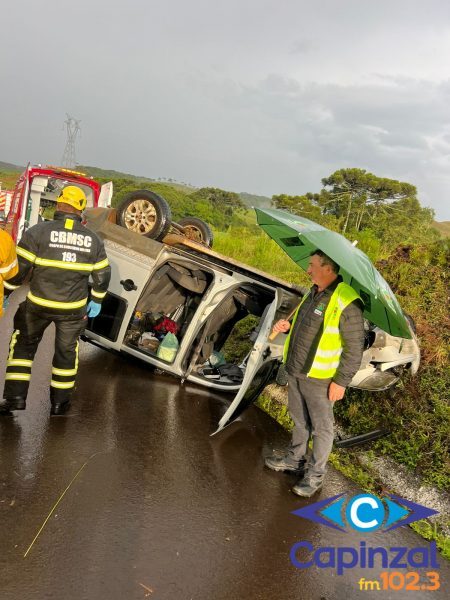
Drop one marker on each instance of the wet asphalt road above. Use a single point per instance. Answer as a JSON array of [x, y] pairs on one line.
[[155, 508]]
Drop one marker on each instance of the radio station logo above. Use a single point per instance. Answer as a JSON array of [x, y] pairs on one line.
[[365, 514]]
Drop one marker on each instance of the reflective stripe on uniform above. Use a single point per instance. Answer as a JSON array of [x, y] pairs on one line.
[[67, 372], [17, 376], [4, 270], [64, 372], [12, 343], [62, 385], [19, 362], [101, 265], [61, 264], [26, 254], [10, 286], [98, 294], [55, 304]]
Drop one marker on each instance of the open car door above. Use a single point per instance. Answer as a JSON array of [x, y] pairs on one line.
[[258, 372]]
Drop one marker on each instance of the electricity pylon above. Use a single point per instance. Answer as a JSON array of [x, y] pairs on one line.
[[73, 129]]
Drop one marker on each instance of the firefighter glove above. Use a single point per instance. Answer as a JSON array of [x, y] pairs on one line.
[[93, 309]]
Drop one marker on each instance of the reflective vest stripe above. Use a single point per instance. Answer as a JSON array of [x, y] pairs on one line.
[[25, 254], [19, 362], [325, 365], [4, 270], [18, 376], [62, 385], [98, 294], [55, 304], [101, 265], [61, 264], [328, 353], [332, 330]]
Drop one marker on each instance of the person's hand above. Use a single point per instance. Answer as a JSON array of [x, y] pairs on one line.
[[93, 309], [335, 392], [5, 302], [281, 326]]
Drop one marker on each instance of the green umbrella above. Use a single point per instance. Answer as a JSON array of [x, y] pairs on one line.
[[299, 237]]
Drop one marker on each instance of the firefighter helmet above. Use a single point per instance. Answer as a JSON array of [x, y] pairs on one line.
[[74, 196]]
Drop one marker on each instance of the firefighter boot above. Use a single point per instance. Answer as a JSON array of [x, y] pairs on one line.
[[59, 408], [13, 403]]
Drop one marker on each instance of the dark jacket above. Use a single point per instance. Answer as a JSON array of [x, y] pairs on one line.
[[61, 255], [308, 330]]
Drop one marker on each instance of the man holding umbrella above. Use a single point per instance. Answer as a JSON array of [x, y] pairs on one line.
[[322, 353]]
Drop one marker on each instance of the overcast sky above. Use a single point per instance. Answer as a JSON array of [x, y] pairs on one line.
[[262, 96]]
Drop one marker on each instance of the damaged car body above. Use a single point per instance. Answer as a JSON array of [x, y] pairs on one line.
[[175, 304]]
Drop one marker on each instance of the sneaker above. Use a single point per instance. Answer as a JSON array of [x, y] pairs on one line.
[[285, 463], [307, 487]]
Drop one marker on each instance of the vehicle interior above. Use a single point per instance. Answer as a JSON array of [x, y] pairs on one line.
[[166, 308], [222, 346], [168, 305]]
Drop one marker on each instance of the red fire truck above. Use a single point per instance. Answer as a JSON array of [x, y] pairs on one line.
[[37, 189]]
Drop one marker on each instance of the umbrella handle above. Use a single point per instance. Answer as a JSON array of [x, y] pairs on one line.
[[274, 334]]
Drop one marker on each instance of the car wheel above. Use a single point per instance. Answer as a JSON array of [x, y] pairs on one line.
[[197, 230], [145, 213]]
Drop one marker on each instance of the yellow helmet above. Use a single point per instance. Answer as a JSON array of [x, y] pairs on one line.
[[74, 196]]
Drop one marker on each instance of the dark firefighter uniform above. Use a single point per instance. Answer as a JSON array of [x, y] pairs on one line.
[[61, 256]]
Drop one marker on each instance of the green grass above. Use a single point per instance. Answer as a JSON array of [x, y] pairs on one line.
[[258, 250], [443, 227], [8, 179]]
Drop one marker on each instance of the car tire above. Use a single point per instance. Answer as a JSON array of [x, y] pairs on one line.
[[197, 230], [145, 213]]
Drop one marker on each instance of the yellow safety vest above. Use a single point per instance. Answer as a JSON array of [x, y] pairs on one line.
[[329, 349]]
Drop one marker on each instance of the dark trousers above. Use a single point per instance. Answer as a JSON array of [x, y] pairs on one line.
[[313, 418], [29, 327]]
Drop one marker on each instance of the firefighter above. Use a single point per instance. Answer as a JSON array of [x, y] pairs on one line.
[[58, 257], [8, 264]]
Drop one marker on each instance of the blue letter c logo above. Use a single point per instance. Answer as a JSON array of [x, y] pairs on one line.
[[365, 513]]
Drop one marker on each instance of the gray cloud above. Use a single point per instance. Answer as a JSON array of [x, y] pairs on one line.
[[257, 96]]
